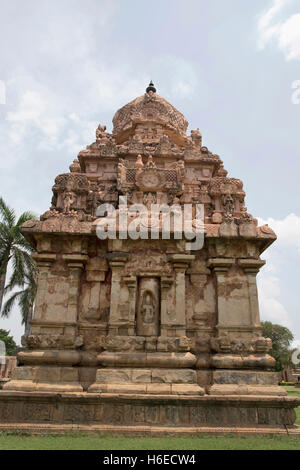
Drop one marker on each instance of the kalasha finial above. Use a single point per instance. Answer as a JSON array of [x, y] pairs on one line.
[[151, 87]]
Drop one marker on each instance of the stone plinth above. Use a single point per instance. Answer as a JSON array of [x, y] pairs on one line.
[[141, 413]]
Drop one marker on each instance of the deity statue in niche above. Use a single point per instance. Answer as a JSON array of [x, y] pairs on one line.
[[228, 204], [148, 307], [69, 199]]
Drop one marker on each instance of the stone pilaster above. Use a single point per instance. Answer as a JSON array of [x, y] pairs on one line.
[[180, 264], [166, 284], [75, 264], [131, 283], [251, 268], [117, 262], [44, 262], [220, 267]]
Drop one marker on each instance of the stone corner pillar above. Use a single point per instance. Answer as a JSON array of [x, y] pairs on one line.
[[51, 363], [44, 262], [240, 360]]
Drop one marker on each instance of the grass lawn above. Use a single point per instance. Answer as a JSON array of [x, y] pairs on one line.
[[98, 442], [295, 392], [79, 441]]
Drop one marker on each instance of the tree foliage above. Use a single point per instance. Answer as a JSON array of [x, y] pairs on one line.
[[281, 338], [16, 250], [10, 345]]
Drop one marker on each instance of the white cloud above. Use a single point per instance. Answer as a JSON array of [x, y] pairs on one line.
[[70, 71], [41, 114], [35, 111], [42, 117], [180, 75], [289, 37], [285, 32], [265, 20], [269, 299], [287, 230], [115, 88], [269, 282]]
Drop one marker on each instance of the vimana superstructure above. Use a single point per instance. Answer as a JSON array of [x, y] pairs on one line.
[[146, 333]]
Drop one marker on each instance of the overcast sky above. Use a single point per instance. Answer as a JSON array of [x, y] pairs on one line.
[[229, 66]]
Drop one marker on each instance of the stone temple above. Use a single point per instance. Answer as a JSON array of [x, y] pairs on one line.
[[146, 334]]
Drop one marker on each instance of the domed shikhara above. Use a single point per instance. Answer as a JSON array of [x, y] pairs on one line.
[[149, 137], [149, 110]]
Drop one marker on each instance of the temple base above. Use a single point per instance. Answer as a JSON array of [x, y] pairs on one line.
[[155, 381], [55, 412]]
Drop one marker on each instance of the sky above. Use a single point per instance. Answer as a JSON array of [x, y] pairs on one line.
[[231, 67]]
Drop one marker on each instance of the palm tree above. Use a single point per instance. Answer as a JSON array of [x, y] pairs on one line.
[[25, 298], [14, 249]]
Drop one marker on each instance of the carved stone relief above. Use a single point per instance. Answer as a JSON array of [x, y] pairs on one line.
[[148, 307]]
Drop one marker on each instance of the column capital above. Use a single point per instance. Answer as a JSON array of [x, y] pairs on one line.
[[117, 260], [181, 261], [220, 264], [130, 281], [251, 265], [44, 259], [166, 282], [75, 260], [181, 258]]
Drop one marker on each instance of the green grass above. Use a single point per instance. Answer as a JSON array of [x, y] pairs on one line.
[[294, 392], [79, 441], [98, 442]]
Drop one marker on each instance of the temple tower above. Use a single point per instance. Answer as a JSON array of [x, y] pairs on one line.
[[150, 323]]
